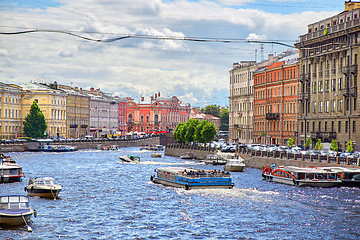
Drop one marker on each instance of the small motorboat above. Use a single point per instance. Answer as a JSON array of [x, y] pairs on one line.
[[187, 155], [15, 210], [43, 187], [215, 159], [235, 165], [130, 159], [10, 171], [156, 155]]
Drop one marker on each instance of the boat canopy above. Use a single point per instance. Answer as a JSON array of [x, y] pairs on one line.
[[14, 201], [43, 181]]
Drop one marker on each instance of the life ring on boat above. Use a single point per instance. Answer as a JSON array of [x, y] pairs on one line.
[[151, 178], [187, 187]]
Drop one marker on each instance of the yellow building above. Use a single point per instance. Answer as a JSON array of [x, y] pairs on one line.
[[77, 109], [51, 102], [10, 111]]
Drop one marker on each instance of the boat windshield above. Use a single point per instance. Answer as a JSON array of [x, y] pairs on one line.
[[45, 181], [14, 202]]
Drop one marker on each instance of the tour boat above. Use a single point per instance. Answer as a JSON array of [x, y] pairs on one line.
[[350, 177], [57, 148], [130, 158], [15, 210], [302, 176], [235, 165], [214, 159], [10, 171], [190, 178], [152, 147], [43, 187]]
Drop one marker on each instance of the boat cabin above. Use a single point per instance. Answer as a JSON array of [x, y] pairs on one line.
[[14, 202]]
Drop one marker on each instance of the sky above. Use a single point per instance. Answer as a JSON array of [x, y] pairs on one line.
[[197, 72]]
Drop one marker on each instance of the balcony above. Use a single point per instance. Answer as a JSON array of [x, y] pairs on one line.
[[350, 91], [345, 70], [323, 135], [304, 96], [305, 77], [84, 126], [272, 116], [73, 125]]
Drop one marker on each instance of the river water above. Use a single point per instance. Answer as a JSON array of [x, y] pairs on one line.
[[104, 199]]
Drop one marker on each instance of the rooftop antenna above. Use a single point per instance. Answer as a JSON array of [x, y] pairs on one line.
[[262, 51], [255, 55]]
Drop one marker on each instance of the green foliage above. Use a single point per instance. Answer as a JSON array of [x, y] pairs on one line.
[[213, 110], [178, 132], [349, 146], [318, 145], [34, 124], [334, 145], [224, 119], [291, 143], [308, 142], [208, 132], [193, 130], [190, 130]]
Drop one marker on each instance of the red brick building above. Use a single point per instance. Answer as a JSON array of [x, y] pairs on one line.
[[275, 101], [161, 113]]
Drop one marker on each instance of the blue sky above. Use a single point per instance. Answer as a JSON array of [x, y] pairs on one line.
[[196, 72]]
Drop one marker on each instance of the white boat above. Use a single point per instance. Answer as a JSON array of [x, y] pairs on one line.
[[302, 176], [350, 177], [10, 171], [187, 155], [130, 158], [235, 165], [215, 159], [43, 187], [191, 178], [15, 210]]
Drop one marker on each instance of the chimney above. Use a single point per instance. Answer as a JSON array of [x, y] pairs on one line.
[[349, 5], [158, 94], [152, 98], [92, 89], [155, 95], [142, 99]]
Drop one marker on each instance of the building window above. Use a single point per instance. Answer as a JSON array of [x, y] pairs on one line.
[[346, 126], [339, 83], [320, 87], [314, 87], [333, 84], [326, 85], [333, 105], [339, 126], [332, 126], [313, 126], [320, 107], [339, 107], [326, 107]]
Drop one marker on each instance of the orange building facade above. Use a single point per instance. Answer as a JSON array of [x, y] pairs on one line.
[[160, 114], [275, 102]]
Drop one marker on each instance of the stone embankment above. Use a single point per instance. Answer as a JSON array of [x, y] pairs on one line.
[[258, 159], [82, 144]]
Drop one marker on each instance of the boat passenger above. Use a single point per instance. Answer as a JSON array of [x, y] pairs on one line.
[[202, 172]]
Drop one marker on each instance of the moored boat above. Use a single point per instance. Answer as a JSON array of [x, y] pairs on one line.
[[129, 158], [43, 187], [190, 178], [10, 171], [187, 155], [57, 148], [156, 155], [15, 210], [302, 176], [215, 159], [350, 177], [235, 165]]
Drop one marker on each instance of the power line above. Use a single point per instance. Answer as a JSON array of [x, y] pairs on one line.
[[153, 37]]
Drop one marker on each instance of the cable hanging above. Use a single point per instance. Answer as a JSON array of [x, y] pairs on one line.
[[194, 39]]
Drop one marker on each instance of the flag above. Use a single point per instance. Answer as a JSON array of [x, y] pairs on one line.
[[326, 31]]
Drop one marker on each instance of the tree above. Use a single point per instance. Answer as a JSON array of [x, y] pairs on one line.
[[34, 124], [190, 130], [291, 143], [213, 110], [198, 132], [179, 130], [318, 145], [208, 132], [224, 119], [334, 145], [349, 146], [308, 142]]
